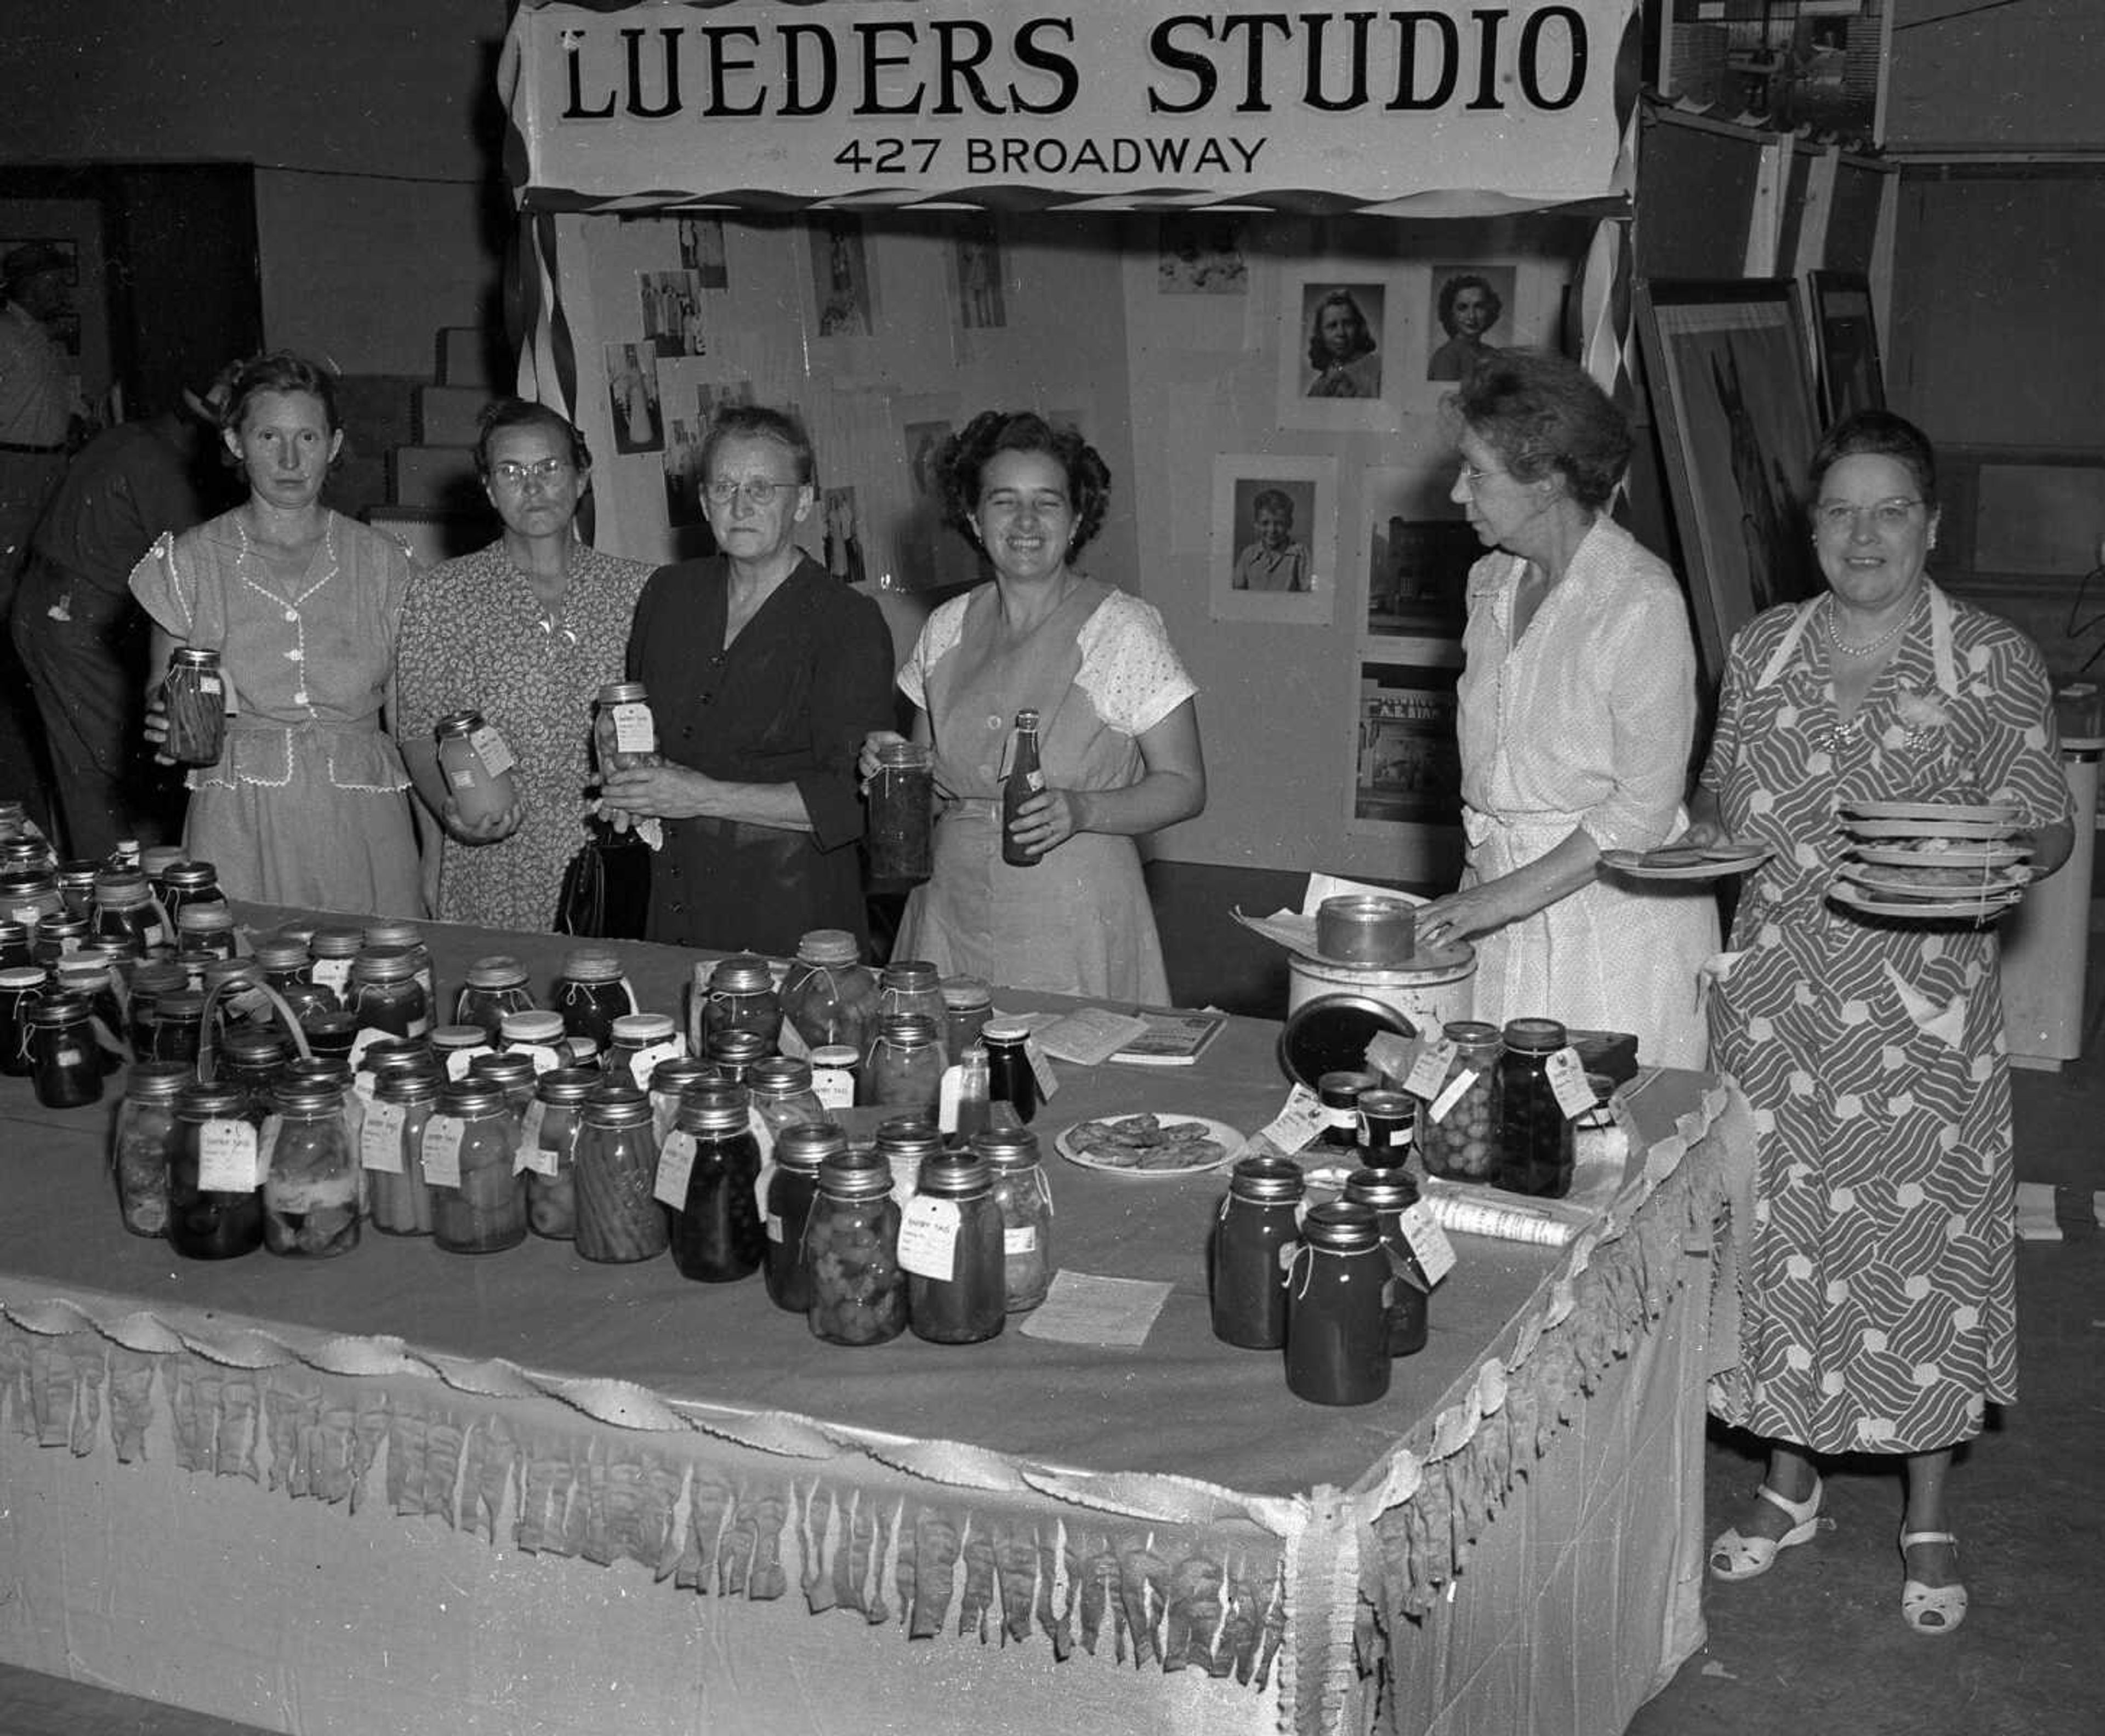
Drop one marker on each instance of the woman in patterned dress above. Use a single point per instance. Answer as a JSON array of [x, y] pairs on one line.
[[1878, 1303], [1576, 715], [524, 631], [1118, 733], [305, 805]]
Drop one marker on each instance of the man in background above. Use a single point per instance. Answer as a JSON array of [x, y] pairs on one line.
[[35, 397]]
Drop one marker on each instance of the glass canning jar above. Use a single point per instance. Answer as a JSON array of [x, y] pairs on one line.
[[178, 1025], [717, 1233], [1458, 1126], [738, 996], [1386, 1120], [830, 997], [124, 905], [733, 1053], [149, 982], [143, 1145], [386, 994], [1537, 1145], [1010, 1079], [470, 1148], [512, 1074], [286, 968], [548, 1146], [619, 1219], [793, 1187], [780, 1091], [905, 1066], [669, 1081], [1388, 1193], [1254, 1235], [204, 932], [851, 1253], [1337, 1317], [410, 939], [968, 1005], [310, 1176], [495, 986], [392, 1149], [540, 1036], [76, 884], [455, 1047], [1024, 1198], [65, 1064], [215, 1195], [639, 1042], [591, 993], [909, 987], [950, 1244], [332, 951]]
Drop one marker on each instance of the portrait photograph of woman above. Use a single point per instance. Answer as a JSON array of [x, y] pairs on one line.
[[1337, 333]]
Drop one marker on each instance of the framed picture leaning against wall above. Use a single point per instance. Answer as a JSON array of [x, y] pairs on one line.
[[1845, 345]]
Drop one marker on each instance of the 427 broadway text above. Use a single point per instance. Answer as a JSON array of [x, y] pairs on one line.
[[976, 155]]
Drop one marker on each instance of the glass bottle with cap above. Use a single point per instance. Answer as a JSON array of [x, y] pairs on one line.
[[906, 1066], [1254, 1235], [851, 1253], [950, 1243], [619, 1219], [549, 1143], [186, 884], [1538, 1147], [540, 1038], [591, 993], [124, 905], [669, 1080], [143, 1145], [1337, 1313], [739, 997], [718, 1233], [641, 1041], [311, 1176], [793, 1187], [65, 1065], [1388, 1193], [909, 988], [410, 937], [386, 994], [194, 692], [1024, 1198], [1010, 1079], [476, 765], [333, 951], [1458, 1126], [495, 986], [286, 968], [1025, 780], [478, 1201], [733, 1053], [900, 825], [215, 1196], [968, 1005], [392, 1148], [830, 997]]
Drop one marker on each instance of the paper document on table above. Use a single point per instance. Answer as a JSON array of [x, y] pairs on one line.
[[2036, 1219], [1089, 1035], [1081, 1308]]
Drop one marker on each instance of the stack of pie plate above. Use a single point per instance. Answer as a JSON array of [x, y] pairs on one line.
[[1931, 861]]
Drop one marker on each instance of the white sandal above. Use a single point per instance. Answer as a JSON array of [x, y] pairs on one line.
[[1931, 1609], [1734, 1555]]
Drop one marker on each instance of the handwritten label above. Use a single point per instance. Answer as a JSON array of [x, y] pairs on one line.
[[675, 1164], [1298, 1123], [334, 975], [490, 747], [634, 730], [210, 684], [644, 1061], [380, 1139], [1429, 1070], [226, 1158], [1020, 1240], [1443, 1105], [441, 1150], [928, 1236], [1567, 1082], [1429, 1246], [1041, 1069]]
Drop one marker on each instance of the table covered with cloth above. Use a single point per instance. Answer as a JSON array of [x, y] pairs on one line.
[[521, 1493]]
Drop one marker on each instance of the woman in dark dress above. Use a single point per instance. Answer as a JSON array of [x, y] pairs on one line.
[[764, 673]]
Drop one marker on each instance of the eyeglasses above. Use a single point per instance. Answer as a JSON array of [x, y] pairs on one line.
[[1475, 476], [758, 490], [1888, 515], [541, 470]]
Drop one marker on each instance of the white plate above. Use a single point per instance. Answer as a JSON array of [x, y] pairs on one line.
[[1230, 1141], [2003, 811], [1633, 863], [1962, 855], [1986, 884], [1984, 830], [1972, 910]]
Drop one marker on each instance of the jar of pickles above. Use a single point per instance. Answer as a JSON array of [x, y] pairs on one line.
[[391, 1151], [910, 987], [718, 1233], [641, 1041], [1024, 1198], [901, 819], [470, 1146], [905, 1066], [333, 951], [512, 1074], [1538, 1147], [495, 986], [143, 1145], [548, 1148], [851, 1253], [738, 996], [1458, 1126], [830, 997], [310, 1174], [619, 1218], [386, 994], [793, 1187], [1388, 1193], [1337, 1318], [1254, 1235], [950, 1245], [591, 993], [215, 1197]]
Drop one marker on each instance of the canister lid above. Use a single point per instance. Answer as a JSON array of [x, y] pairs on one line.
[[508, 1072], [1266, 1180], [217, 1099], [742, 973], [380, 964], [836, 1056], [281, 955], [497, 971], [157, 1082], [1383, 1189], [725, 1108], [908, 975], [306, 1093], [201, 919], [954, 1174], [828, 946], [1007, 1148], [909, 1136], [1534, 1036], [1343, 1227], [779, 1075], [1341, 1090], [1330, 1034], [337, 943], [623, 693], [908, 1031], [545, 1029], [588, 966], [455, 725], [967, 993], [676, 1073], [855, 1174], [448, 1037], [190, 877], [410, 1085], [737, 1048], [471, 1096]]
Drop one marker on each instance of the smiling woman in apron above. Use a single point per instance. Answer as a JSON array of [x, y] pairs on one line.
[[1119, 738]]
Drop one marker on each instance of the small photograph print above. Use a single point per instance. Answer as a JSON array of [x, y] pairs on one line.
[[702, 251], [1274, 537], [62, 257], [672, 311], [712, 396], [1201, 255], [683, 473], [844, 557], [631, 385], [1338, 338], [1473, 313], [924, 543], [840, 288], [1274, 555], [1409, 768], [1342, 333], [1419, 549], [976, 267]]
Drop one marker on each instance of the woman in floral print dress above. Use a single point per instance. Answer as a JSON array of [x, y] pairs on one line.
[[1878, 1304]]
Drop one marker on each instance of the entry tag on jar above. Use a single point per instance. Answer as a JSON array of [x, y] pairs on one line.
[[367, 1035], [928, 1236], [644, 1061], [530, 1155], [634, 731], [1443, 1105], [1041, 1069], [1287, 1251], [1021, 1240], [545, 1059], [761, 1184], [1567, 1082], [210, 684], [266, 1146], [1429, 1073], [1391, 1055], [226, 1158], [440, 1155], [1428, 1243], [334, 975], [380, 1139], [791, 1041], [459, 1060], [497, 758], [834, 1086], [676, 1163], [762, 1131], [1298, 1123]]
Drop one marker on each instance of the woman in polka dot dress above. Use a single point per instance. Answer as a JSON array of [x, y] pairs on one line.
[[1879, 1301]]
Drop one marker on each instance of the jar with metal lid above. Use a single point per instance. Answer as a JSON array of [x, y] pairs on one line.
[[193, 690], [1458, 1126], [738, 996], [286, 968], [1339, 1095], [836, 1075], [904, 1143], [311, 1172], [386, 994], [123, 905], [214, 1186], [203, 931], [332, 1034], [28, 896], [456, 1047], [793, 1186], [830, 997], [619, 1218], [470, 1146], [20, 990], [968, 1005], [96, 980], [65, 1065], [233, 989], [391, 1151], [76, 884], [1386, 1120], [1337, 1315], [1024, 1198], [143, 1145], [477, 766], [512, 1074], [591, 993], [900, 829], [909, 988], [905, 1066], [539, 1037], [187, 883], [387, 1055], [58, 936], [717, 1233], [624, 734], [410, 939], [851, 1253], [178, 1025], [1254, 1235], [1538, 1146], [154, 861], [780, 1089], [733, 1053], [548, 1147], [13, 944], [1388, 1193], [641, 1041], [1010, 1078], [669, 1079], [149, 982], [951, 1246], [495, 986], [250, 1055], [333, 950]]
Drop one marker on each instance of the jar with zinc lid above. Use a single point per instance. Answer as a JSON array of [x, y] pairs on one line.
[[470, 1146], [215, 1194], [65, 1063], [540, 1038], [125, 904], [1538, 1147], [1254, 1235], [391, 1150], [793, 1187], [909, 988], [286, 968], [733, 1053], [1337, 1317], [1024, 1198], [669, 1079], [408, 936], [950, 1245], [619, 1219], [512, 1074], [591, 992], [639, 1042], [901, 827], [717, 1233], [332, 951], [1388, 1193], [851, 1253], [830, 997], [387, 993], [738, 996], [310, 1174], [548, 1147], [477, 766], [968, 1005], [495, 986], [780, 1091], [143, 1144], [905, 1066], [1458, 1126]]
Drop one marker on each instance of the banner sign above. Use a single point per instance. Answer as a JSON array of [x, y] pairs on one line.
[[1034, 102]]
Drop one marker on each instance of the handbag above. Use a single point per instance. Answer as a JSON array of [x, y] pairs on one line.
[[605, 893]]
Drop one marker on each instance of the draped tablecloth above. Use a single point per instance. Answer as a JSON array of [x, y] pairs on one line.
[[1148, 1539]]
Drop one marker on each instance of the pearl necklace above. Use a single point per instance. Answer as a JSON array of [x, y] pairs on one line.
[[1870, 647]]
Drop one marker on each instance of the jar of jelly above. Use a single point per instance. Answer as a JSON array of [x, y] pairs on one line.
[[619, 1218], [1339, 1095], [149, 982], [851, 1253], [950, 1244], [1254, 1235], [905, 1066], [333, 950], [178, 1026], [286, 968], [591, 993], [455, 1048], [65, 1065], [669, 1080], [470, 1147], [184, 884], [641, 1041], [124, 905], [1024, 1198], [407, 936], [1337, 1312], [392, 1148], [1388, 1193], [1458, 1126], [58, 936], [548, 1146], [495, 986], [386, 994], [21, 990], [477, 766], [215, 1191], [539, 1037], [781, 1094], [512, 1074], [836, 1075], [96, 980], [739, 995], [733, 1053], [1386, 1120], [1010, 1077], [793, 1187], [1537, 1145], [143, 1145], [830, 997], [909, 988], [717, 1233], [310, 1176], [900, 825]]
